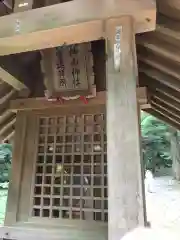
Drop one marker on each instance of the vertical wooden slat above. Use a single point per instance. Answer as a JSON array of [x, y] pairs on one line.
[[102, 169], [125, 198], [53, 165], [16, 174], [27, 188], [82, 122]]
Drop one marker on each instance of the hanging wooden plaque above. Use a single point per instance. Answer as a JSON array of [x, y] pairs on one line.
[[68, 70]]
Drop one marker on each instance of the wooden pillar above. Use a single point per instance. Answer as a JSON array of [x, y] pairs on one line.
[[125, 200]]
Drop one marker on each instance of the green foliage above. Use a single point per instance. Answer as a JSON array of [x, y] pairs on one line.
[[5, 162], [155, 142]]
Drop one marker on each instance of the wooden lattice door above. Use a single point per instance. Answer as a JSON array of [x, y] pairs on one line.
[[63, 170]]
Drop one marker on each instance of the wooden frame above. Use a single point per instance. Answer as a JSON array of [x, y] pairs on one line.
[[42, 103], [71, 22], [19, 224]]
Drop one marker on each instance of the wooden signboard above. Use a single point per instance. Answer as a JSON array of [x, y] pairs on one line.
[[68, 70]]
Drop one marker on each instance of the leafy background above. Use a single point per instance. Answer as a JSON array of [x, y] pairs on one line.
[[156, 143]]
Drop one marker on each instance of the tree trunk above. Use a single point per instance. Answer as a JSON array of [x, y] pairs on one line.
[[175, 153]]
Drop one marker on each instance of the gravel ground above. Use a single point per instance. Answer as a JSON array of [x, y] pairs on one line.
[[3, 200], [163, 205]]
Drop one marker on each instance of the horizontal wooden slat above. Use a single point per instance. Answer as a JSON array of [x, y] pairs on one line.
[[163, 66], [163, 117], [171, 8], [68, 23], [15, 72], [169, 113], [154, 85], [166, 105], [5, 126], [162, 78], [5, 115], [159, 47], [11, 80], [9, 4], [4, 89], [8, 96], [42, 103], [166, 99], [9, 137]]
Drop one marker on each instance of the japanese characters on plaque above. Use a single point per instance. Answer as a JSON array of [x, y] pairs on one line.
[[60, 70], [75, 66], [117, 48], [68, 71], [72, 63]]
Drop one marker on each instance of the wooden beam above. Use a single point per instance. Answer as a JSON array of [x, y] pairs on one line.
[[42, 103], [13, 72], [154, 85], [160, 48], [165, 105], [71, 22], [163, 66], [167, 30], [167, 111], [170, 8], [14, 82], [9, 137], [125, 187], [168, 119], [5, 126], [4, 89], [163, 117], [168, 34], [166, 98], [145, 106], [159, 76], [8, 96], [9, 4], [172, 98], [5, 115]]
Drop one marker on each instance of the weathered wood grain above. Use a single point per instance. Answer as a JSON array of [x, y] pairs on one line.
[[126, 206], [71, 22], [42, 103], [15, 177]]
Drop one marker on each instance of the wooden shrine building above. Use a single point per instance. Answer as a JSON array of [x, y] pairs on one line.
[[71, 89]]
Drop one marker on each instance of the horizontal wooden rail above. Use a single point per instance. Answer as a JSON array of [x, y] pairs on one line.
[[42, 103], [70, 22]]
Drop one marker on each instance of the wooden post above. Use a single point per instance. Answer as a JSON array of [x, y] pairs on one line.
[[125, 199]]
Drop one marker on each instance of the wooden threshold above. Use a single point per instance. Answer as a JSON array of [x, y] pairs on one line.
[[71, 22], [100, 99]]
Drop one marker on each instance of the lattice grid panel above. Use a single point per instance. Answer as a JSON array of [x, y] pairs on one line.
[[71, 168]]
